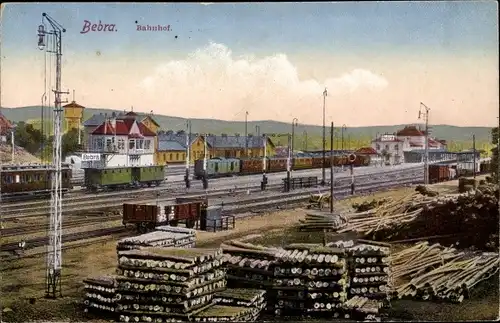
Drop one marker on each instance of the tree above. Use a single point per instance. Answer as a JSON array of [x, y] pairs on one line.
[[494, 157], [69, 142], [26, 136]]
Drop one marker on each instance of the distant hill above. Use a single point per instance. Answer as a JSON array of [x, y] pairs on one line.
[[447, 132]]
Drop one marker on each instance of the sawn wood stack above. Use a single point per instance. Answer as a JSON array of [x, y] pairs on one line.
[[165, 236], [100, 295]]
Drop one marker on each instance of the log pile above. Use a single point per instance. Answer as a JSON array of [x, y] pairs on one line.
[[221, 313], [434, 272], [100, 295], [322, 221], [466, 219], [254, 299], [369, 273], [157, 284], [248, 265], [310, 280], [165, 236]]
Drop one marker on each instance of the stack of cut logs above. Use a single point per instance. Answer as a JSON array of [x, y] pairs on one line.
[[222, 313], [435, 272], [310, 280], [249, 302], [100, 295], [248, 265], [369, 268], [318, 220], [166, 236], [167, 283]]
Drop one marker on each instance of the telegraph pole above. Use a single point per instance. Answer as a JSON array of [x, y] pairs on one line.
[[205, 152], [188, 153], [294, 123], [426, 154], [325, 93], [474, 154], [331, 168], [54, 255], [246, 134], [264, 166]]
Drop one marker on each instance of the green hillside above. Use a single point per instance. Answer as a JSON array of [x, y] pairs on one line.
[[447, 132]]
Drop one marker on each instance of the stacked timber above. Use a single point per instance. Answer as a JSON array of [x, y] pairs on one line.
[[221, 313], [100, 295], [166, 236], [235, 304], [164, 284], [248, 265], [322, 221], [369, 267], [433, 272], [309, 280]]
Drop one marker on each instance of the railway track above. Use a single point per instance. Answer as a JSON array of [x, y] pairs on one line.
[[195, 184], [238, 207], [98, 202]]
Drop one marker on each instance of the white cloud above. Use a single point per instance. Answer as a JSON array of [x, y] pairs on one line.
[[211, 82]]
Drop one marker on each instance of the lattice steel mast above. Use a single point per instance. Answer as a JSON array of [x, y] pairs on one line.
[[54, 254]]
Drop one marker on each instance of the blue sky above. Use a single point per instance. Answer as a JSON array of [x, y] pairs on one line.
[[378, 59], [266, 27]]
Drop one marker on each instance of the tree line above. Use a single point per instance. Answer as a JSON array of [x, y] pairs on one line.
[[40, 145]]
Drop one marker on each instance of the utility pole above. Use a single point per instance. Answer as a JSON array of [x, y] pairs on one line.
[[188, 153], [305, 140], [331, 168], [294, 123], [474, 154], [344, 127], [205, 152], [54, 255], [264, 166], [12, 141], [426, 154], [257, 130], [325, 93], [288, 165], [246, 134]]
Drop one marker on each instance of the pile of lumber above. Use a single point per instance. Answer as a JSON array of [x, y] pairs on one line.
[[248, 265], [165, 283], [434, 272], [165, 236], [322, 221], [466, 219], [310, 280], [221, 313], [100, 295], [251, 302]]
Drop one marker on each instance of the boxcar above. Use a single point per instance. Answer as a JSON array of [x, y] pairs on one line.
[[104, 178], [148, 175], [217, 167], [19, 180]]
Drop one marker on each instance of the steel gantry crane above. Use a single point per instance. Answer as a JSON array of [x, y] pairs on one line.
[[54, 255]]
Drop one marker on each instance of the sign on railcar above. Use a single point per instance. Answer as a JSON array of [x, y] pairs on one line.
[[91, 157]]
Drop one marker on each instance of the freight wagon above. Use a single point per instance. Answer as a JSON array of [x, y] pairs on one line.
[[123, 177], [146, 217], [441, 173], [31, 180]]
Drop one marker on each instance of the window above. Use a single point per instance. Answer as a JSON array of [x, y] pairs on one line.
[[147, 144], [99, 144], [176, 156], [109, 144], [377, 147], [140, 144], [121, 144], [131, 144], [171, 157], [396, 147], [386, 147]]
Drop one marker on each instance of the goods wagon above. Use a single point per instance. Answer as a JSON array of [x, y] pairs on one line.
[[302, 163], [19, 180], [121, 177], [217, 167], [439, 173], [146, 217], [251, 166]]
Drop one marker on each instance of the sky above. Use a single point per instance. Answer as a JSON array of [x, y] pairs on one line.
[[377, 60]]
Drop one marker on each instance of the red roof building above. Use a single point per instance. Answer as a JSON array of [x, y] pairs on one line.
[[5, 125], [124, 127], [410, 131]]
